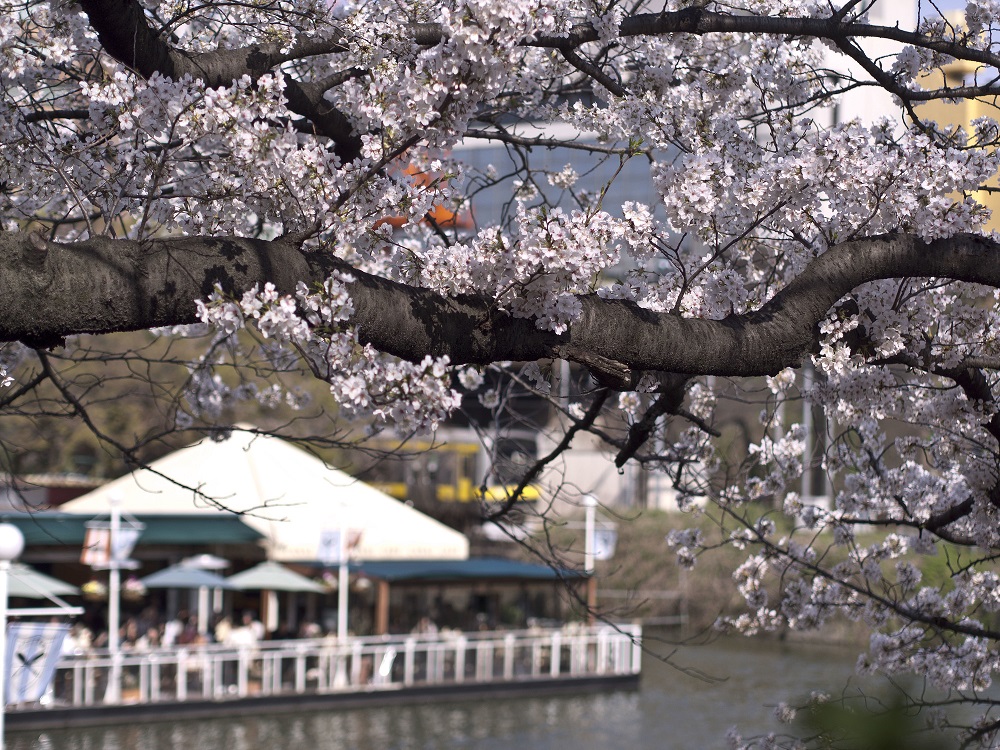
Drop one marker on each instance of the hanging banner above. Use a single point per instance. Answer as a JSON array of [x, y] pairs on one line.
[[97, 552], [605, 541], [125, 543], [96, 547], [33, 650]]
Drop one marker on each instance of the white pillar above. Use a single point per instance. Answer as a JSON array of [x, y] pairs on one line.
[[114, 579], [11, 546], [590, 503], [203, 610], [4, 577], [113, 692], [342, 580]]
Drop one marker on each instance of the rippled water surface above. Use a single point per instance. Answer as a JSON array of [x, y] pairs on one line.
[[671, 710]]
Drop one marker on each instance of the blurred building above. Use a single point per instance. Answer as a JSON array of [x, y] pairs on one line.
[[963, 113], [43, 491]]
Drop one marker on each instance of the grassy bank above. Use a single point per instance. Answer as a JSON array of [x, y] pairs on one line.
[[644, 580]]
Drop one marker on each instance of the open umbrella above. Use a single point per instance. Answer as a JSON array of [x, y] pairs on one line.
[[184, 577], [270, 576], [30, 584]]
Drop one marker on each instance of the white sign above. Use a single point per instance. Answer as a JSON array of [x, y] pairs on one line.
[[33, 649], [328, 550]]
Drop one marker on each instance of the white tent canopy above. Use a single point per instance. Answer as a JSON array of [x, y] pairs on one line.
[[288, 495]]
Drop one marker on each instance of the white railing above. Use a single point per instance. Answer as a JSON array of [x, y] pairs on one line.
[[324, 665]]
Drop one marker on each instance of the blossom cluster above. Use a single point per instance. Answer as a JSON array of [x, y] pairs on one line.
[[363, 381]]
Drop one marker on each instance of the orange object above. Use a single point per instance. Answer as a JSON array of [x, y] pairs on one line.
[[439, 215]]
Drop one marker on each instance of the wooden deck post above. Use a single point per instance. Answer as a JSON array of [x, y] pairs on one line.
[[382, 608]]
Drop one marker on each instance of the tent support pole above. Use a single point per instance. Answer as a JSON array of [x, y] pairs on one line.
[[382, 608]]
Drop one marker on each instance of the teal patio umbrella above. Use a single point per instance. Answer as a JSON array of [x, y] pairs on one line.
[[28, 583], [183, 576]]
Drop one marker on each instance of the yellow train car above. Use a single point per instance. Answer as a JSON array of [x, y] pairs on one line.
[[456, 470]]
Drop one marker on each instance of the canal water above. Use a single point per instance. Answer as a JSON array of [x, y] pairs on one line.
[[726, 683]]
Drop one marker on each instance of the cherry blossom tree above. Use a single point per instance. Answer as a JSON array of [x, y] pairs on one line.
[[221, 173]]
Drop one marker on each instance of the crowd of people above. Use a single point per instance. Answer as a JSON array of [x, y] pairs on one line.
[[150, 630]]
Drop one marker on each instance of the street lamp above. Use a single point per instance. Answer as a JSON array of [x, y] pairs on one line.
[[589, 552], [11, 546]]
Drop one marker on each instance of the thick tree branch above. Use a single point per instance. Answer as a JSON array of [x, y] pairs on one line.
[[126, 35], [105, 285], [700, 21]]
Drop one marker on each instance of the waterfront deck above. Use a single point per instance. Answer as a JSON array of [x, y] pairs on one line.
[[95, 688]]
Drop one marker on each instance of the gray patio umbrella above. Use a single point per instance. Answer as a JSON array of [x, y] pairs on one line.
[[270, 576], [28, 583], [183, 577]]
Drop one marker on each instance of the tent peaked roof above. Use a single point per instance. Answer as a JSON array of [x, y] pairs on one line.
[[289, 495]]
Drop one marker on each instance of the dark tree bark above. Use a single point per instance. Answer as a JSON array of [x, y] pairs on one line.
[[104, 285]]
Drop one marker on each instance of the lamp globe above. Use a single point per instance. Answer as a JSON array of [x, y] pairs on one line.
[[11, 542]]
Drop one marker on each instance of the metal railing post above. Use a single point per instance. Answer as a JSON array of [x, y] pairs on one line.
[[88, 685], [154, 679], [409, 651], [636, 665], [460, 646], [243, 673], [79, 680], [602, 651], [300, 672]]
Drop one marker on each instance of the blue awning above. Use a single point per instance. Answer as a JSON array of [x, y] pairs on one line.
[[53, 528], [474, 569]]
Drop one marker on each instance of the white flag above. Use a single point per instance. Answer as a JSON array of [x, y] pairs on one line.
[[33, 650]]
